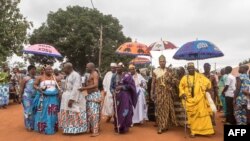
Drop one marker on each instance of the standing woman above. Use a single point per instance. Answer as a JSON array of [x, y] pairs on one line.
[[4, 87], [27, 92], [46, 103]]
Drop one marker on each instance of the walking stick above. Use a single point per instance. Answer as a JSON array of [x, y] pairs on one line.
[[116, 114]]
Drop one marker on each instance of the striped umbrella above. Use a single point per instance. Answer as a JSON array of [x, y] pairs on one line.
[[140, 61]]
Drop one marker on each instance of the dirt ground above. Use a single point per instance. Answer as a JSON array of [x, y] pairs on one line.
[[12, 129]]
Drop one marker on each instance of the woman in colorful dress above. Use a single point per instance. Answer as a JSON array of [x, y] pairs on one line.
[[243, 83], [28, 94], [46, 103], [4, 88]]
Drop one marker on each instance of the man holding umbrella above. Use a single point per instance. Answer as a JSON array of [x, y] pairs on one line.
[[193, 88], [214, 89]]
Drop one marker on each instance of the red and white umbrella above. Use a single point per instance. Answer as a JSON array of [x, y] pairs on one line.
[[161, 45]]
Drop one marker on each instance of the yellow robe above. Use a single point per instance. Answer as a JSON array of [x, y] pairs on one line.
[[197, 107]]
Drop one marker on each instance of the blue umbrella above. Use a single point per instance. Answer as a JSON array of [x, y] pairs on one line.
[[198, 50]]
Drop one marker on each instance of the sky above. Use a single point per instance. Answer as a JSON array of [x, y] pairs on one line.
[[223, 22]]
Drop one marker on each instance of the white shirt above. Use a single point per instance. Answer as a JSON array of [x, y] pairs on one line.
[[231, 82]]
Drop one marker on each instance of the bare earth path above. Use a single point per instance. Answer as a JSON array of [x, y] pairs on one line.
[[12, 129]]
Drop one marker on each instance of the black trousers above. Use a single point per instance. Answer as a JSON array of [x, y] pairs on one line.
[[230, 110]]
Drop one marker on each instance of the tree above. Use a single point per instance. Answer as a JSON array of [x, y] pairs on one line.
[[13, 29], [244, 62], [75, 33]]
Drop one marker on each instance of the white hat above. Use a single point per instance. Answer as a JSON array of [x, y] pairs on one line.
[[113, 65], [121, 64]]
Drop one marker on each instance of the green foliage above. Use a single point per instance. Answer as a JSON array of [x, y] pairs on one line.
[[75, 32], [244, 62], [13, 29]]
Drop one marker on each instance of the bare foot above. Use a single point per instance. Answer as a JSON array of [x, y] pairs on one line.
[[192, 136], [95, 135]]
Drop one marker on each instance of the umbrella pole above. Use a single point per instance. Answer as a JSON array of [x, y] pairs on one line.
[[197, 64]]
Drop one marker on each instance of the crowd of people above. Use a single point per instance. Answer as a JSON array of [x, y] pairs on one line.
[[167, 96]]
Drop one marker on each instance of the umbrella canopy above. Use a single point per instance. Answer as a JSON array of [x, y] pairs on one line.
[[42, 49], [133, 48], [140, 61], [161, 45], [198, 50]]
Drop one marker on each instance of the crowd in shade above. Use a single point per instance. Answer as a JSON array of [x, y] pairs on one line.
[[64, 100]]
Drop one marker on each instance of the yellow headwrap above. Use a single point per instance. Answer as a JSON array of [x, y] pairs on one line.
[[190, 64], [131, 66]]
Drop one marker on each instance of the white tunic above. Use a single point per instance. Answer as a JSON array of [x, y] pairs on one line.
[[107, 109], [72, 84], [140, 111]]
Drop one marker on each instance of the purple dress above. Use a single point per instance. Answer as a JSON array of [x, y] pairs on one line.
[[126, 99]]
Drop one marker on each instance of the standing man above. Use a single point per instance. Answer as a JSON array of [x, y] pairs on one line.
[[16, 78], [179, 110], [93, 100], [4, 87], [241, 100], [72, 116], [193, 88], [228, 92], [163, 82], [28, 93], [221, 85], [214, 89], [107, 109], [125, 99], [140, 111]]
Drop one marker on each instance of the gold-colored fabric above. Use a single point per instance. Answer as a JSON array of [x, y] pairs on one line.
[[190, 64], [159, 72], [197, 107], [164, 98]]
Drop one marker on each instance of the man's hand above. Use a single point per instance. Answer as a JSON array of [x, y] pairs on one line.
[[245, 92], [223, 94], [82, 89], [70, 103], [183, 96], [118, 88], [152, 95]]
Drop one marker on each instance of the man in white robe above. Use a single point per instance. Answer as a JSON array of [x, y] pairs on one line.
[[108, 109], [140, 111], [72, 116]]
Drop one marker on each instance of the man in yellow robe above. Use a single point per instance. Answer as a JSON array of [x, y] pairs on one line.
[[193, 88]]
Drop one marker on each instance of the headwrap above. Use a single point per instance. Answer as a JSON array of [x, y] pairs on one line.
[[113, 65], [162, 58], [131, 66], [121, 64], [190, 64]]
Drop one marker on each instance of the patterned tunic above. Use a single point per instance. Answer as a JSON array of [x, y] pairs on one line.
[[73, 120], [164, 98], [4, 89], [28, 97], [240, 111], [46, 108]]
